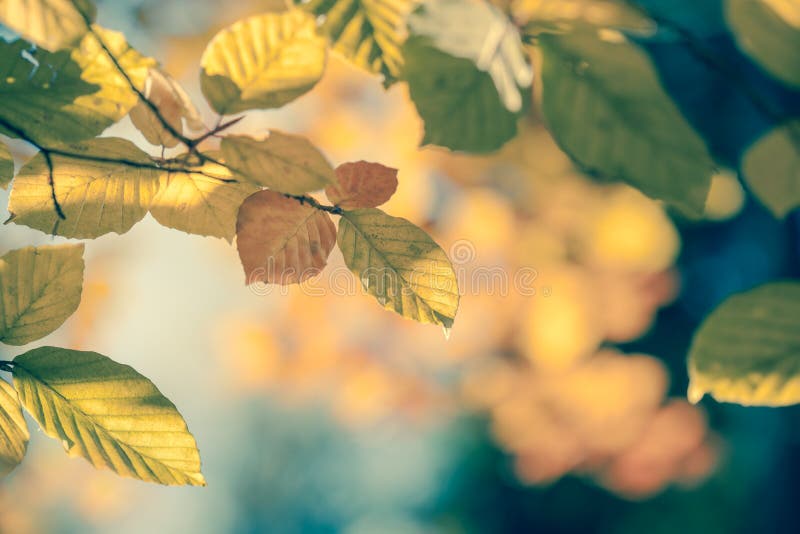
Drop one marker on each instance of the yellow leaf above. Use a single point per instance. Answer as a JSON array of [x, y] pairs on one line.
[[283, 162], [40, 287], [400, 265], [282, 241], [51, 24], [13, 430], [109, 414], [362, 184], [263, 61], [115, 97], [205, 202], [367, 32], [96, 197]]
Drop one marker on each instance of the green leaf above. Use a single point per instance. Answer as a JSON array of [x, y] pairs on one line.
[[400, 265], [205, 202], [107, 413], [51, 24], [40, 287], [771, 167], [466, 69], [605, 107], [67, 96], [458, 103], [768, 31], [264, 61], [96, 197], [369, 33], [14, 434], [748, 350], [6, 166], [283, 162], [478, 31]]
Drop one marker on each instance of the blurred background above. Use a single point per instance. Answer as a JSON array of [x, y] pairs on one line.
[[557, 404]]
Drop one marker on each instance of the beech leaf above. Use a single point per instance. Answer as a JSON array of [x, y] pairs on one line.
[[282, 241], [362, 184]]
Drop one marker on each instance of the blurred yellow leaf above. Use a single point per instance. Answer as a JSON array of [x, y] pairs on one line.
[[51, 24]]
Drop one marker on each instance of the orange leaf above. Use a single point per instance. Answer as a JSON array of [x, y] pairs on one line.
[[362, 184], [281, 240]]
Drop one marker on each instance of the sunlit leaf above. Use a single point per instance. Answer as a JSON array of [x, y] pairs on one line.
[[400, 265], [367, 32], [605, 106], [40, 287], [173, 104], [263, 61], [205, 202], [283, 162], [107, 413], [282, 241], [771, 168], [68, 95], [362, 184], [96, 197], [6, 166], [51, 24], [13, 430], [115, 97], [748, 350], [769, 31], [478, 31]]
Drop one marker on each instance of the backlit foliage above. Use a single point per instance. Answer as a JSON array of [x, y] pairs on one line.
[[558, 401]]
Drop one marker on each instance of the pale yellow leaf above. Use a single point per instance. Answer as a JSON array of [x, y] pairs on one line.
[[108, 414], [362, 184], [282, 241], [51, 24], [283, 162], [39, 288]]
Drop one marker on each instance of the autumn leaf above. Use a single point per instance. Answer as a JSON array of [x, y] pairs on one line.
[[264, 61], [362, 184], [173, 105], [283, 162], [51, 24], [6, 166], [281, 240], [39, 288], [107, 413], [204, 201], [400, 265], [96, 197]]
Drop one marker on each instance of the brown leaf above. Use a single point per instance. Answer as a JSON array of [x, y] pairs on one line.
[[282, 241], [362, 184]]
